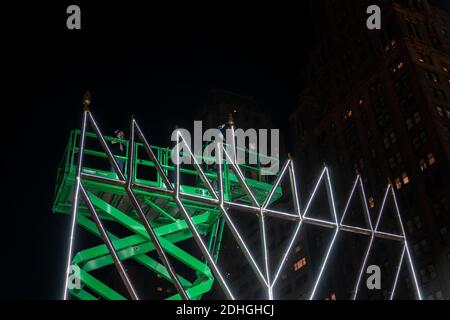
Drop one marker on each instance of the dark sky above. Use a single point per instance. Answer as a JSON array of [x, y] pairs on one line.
[[155, 62]]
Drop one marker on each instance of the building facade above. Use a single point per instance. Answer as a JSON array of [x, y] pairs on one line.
[[377, 103]]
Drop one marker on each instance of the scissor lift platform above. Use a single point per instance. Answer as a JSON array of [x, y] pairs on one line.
[[112, 203]]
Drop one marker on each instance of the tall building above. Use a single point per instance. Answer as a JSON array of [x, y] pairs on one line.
[[378, 103]]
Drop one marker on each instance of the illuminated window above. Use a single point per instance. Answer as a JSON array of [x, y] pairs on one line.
[[432, 76], [431, 158], [371, 202], [387, 39], [300, 264], [159, 289], [424, 58], [397, 66], [423, 164], [398, 183], [405, 178], [331, 297]]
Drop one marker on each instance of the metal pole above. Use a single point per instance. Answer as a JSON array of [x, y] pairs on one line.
[[262, 228], [399, 267], [175, 193], [200, 171], [369, 247], [152, 156], [75, 201], [294, 192], [109, 245], [412, 272], [333, 210], [349, 199], [195, 233], [276, 184], [236, 234], [150, 231], [111, 157], [241, 178], [244, 207], [135, 202], [297, 229]]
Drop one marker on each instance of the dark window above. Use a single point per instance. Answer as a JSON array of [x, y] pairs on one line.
[[414, 30], [425, 58], [432, 76], [438, 93]]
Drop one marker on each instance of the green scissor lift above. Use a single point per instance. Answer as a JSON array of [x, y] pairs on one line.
[[112, 204]]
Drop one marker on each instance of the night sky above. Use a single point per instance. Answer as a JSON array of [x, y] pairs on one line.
[[155, 62]]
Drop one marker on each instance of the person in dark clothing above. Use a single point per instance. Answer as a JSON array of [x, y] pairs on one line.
[[118, 149]]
